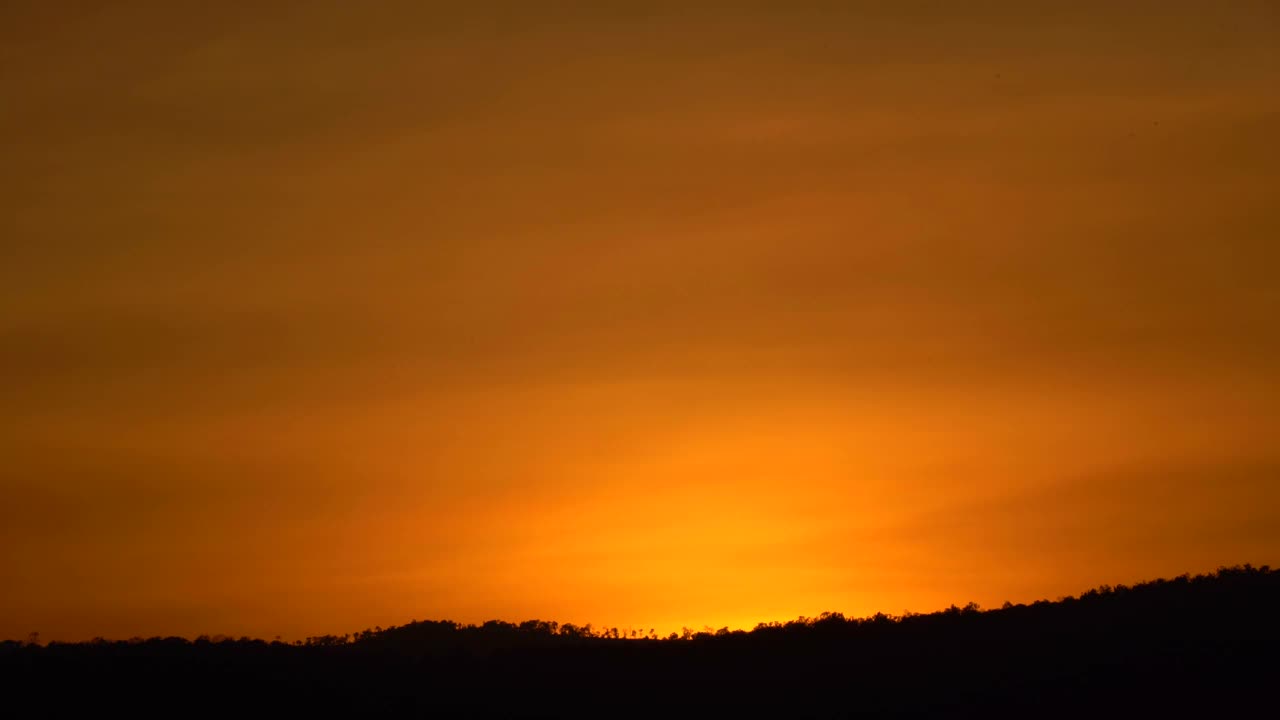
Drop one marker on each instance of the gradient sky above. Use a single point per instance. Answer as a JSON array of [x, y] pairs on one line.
[[322, 315]]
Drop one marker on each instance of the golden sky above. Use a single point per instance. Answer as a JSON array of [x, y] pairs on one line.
[[322, 315]]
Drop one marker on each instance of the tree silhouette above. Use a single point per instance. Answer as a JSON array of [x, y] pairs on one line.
[[1203, 645]]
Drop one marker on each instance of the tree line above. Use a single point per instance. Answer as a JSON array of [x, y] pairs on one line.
[[1205, 643]]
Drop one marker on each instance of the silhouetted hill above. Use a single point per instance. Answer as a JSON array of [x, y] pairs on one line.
[[1190, 646]]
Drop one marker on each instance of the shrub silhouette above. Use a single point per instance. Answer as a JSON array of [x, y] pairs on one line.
[[1191, 645]]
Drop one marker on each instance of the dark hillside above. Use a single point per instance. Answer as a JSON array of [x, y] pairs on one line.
[[1190, 646]]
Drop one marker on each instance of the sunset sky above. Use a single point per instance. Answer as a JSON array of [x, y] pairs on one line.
[[322, 315]]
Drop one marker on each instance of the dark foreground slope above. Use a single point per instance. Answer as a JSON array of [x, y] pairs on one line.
[[1205, 645]]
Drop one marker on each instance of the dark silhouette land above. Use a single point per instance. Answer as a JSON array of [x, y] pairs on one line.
[[1203, 646]]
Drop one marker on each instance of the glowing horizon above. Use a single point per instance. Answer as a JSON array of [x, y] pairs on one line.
[[316, 318]]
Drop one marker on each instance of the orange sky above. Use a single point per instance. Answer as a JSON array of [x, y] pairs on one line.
[[322, 315]]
